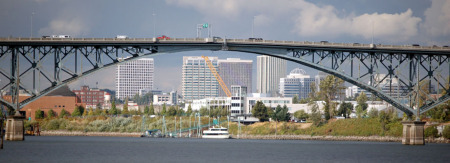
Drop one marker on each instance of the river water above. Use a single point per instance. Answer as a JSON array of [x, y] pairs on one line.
[[126, 149]]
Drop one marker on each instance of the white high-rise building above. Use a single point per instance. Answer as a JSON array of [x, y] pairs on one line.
[[134, 76], [269, 71], [235, 71], [296, 83], [197, 80]]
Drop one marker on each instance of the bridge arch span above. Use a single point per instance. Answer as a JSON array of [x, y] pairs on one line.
[[329, 58]]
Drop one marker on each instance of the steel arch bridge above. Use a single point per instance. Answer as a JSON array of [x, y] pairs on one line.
[[409, 72]]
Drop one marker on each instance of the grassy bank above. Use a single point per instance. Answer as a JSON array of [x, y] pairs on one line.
[[347, 127], [112, 124]]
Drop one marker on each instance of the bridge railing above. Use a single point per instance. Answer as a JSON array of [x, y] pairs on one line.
[[244, 41]]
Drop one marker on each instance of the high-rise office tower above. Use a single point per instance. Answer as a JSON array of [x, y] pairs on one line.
[[235, 71], [269, 71], [296, 83], [197, 80], [134, 76]]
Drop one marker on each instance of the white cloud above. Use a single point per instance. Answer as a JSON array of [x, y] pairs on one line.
[[316, 21], [437, 18], [311, 19], [67, 25]]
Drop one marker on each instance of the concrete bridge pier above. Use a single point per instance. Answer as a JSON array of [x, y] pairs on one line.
[[413, 133], [15, 128]]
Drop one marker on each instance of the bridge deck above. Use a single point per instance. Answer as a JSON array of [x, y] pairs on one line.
[[155, 41]]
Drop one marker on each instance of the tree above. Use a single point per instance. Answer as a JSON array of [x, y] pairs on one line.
[[295, 99], [431, 131], [313, 94], [281, 113], [315, 115], [76, 112], [97, 111], [63, 113], [82, 109], [189, 110], [113, 108], [172, 111], [38, 114], [304, 101], [275, 115], [345, 109], [301, 114], [260, 111], [91, 112], [125, 107], [440, 113], [204, 111], [223, 112], [446, 132], [152, 109], [85, 113], [384, 119], [361, 108], [373, 113], [163, 112], [180, 112], [99, 106], [146, 110], [51, 113], [104, 112], [329, 88]]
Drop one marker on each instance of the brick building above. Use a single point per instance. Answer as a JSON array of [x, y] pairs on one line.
[[89, 97], [57, 100]]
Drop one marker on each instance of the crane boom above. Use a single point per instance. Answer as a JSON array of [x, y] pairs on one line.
[[219, 79]]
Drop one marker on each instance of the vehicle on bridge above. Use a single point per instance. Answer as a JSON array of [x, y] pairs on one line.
[[121, 37], [163, 37], [57, 36], [256, 39]]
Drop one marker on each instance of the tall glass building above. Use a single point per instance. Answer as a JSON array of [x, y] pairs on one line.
[[134, 76], [296, 83], [197, 80], [235, 71], [269, 72]]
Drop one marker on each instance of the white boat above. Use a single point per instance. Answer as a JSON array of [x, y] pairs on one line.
[[216, 133]]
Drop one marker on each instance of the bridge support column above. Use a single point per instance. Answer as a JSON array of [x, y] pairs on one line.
[[413, 133], [15, 128]]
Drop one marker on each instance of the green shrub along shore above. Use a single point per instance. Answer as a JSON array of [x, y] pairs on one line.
[[358, 127], [346, 127]]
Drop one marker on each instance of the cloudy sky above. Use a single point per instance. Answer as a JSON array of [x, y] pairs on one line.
[[424, 22]]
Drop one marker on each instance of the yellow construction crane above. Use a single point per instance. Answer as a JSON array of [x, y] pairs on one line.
[[219, 79]]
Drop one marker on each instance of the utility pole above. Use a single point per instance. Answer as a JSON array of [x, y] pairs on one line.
[[154, 24], [190, 120], [180, 126], [31, 28], [253, 24], [175, 123]]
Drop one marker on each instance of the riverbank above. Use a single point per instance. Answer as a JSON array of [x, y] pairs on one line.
[[79, 133], [262, 137], [337, 138]]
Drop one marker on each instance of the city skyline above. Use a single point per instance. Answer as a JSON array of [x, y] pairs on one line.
[[404, 22]]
